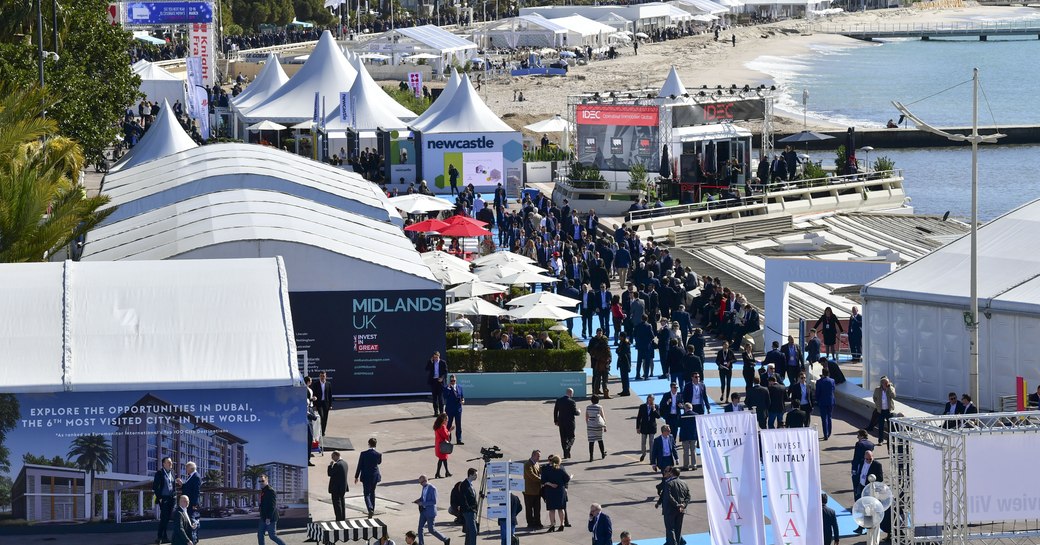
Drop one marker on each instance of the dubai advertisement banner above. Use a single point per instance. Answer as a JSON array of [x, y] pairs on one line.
[[370, 343], [90, 457], [615, 137]]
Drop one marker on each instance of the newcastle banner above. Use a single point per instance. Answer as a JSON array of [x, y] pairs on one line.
[[732, 477], [792, 467]]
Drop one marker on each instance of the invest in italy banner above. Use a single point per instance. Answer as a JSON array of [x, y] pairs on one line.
[[792, 468], [732, 477]]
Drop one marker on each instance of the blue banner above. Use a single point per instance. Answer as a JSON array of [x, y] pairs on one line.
[[168, 13]]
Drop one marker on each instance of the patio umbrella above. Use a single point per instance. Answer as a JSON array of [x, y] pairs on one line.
[[554, 124], [464, 230], [543, 298], [495, 273], [417, 203], [666, 166], [427, 56], [541, 312], [850, 151], [428, 226], [805, 136], [439, 258], [527, 277], [450, 276], [476, 288], [642, 35], [268, 126], [459, 218], [475, 306], [501, 258]]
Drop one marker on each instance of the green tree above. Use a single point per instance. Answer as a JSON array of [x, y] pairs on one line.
[[5, 492], [91, 75], [313, 11], [41, 460], [93, 454], [42, 208], [10, 412], [250, 14], [214, 478], [252, 474]]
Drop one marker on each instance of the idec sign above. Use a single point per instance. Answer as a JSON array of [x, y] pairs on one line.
[[604, 114]]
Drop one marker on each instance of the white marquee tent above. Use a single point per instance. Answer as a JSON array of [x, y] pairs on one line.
[[270, 79], [914, 328], [157, 84], [584, 31], [164, 137], [146, 324], [368, 111], [522, 31], [222, 167], [442, 101], [426, 39], [465, 113], [673, 85]]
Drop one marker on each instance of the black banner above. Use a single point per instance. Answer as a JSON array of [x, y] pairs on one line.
[[719, 112], [369, 342]]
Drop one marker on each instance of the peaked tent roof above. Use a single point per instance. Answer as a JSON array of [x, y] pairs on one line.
[[673, 85], [370, 111], [584, 26], [465, 113], [437, 38], [326, 72], [146, 324], [376, 94], [270, 79], [445, 97], [152, 72], [164, 137]]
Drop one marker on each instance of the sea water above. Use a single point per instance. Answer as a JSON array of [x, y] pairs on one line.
[[855, 86]]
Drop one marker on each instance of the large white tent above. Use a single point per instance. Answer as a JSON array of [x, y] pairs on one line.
[[584, 31], [442, 101], [164, 137], [157, 84], [522, 31], [643, 16], [326, 73], [270, 79], [673, 85], [404, 42], [914, 318], [124, 326], [222, 167]]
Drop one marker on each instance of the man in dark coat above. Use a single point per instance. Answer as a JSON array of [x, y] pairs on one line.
[[563, 416], [163, 491], [758, 399], [338, 487], [322, 391], [368, 473], [436, 377], [269, 511], [777, 399], [674, 497], [830, 524]]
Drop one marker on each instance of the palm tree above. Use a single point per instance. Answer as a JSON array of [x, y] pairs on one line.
[[42, 206], [92, 453], [252, 475]]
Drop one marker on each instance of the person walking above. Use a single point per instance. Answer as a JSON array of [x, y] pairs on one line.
[[863, 445], [554, 490], [724, 359], [830, 523], [600, 526], [674, 497], [663, 454], [825, 399], [454, 399], [564, 413], [777, 399], [533, 490], [427, 503], [748, 369], [885, 405], [468, 507], [163, 491], [599, 354], [758, 400], [803, 397], [268, 513], [442, 445], [322, 396], [646, 425], [368, 473], [595, 426], [644, 337], [831, 329], [436, 372], [338, 487], [624, 362], [688, 436]]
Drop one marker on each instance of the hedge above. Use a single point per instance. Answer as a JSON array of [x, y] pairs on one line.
[[567, 356]]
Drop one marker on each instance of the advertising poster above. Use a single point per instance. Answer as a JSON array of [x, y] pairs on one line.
[[615, 137], [86, 457], [720, 112], [791, 458], [732, 477], [371, 343], [481, 168], [402, 159], [201, 40], [482, 159]]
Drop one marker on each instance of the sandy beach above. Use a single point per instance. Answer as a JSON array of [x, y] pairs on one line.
[[702, 61]]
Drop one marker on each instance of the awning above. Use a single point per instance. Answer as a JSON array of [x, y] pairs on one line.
[[721, 131]]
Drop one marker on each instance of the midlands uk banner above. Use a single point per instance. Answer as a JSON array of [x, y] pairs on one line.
[[86, 458], [732, 478], [370, 342], [792, 467], [617, 136]]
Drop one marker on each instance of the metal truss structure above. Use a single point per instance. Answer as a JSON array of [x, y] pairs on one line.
[[949, 434]]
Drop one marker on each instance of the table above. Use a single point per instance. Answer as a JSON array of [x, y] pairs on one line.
[[346, 530]]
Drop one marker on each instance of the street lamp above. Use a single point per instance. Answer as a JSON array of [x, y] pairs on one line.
[[971, 318], [866, 150]]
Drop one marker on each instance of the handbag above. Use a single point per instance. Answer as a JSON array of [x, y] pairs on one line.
[[445, 447]]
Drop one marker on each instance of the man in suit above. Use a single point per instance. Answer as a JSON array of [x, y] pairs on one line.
[[338, 484], [454, 399], [563, 416], [777, 398], [758, 400], [967, 407], [869, 467], [796, 417], [468, 507], [663, 454], [568, 290], [825, 399], [600, 526], [830, 524], [696, 394], [644, 337], [368, 473], [774, 358], [863, 446], [533, 490], [671, 406], [673, 498], [576, 271], [322, 391], [953, 407], [163, 491], [802, 396], [681, 317], [587, 309], [268, 513], [183, 525], [603, 297], [750, 322], [427, 502], [792, 360], [191, 486], [885, 405], [436, 373], [1034, 399]]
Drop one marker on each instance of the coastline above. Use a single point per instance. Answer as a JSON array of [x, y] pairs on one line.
[[702, 61]]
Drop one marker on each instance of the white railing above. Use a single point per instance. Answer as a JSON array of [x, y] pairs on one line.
[[912, 28]]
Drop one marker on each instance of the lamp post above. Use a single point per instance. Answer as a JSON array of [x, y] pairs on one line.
[[39, 38], [971, 318], [867, 150], [805, 110]]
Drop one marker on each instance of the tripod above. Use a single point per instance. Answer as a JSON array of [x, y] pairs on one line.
[[483, 489]]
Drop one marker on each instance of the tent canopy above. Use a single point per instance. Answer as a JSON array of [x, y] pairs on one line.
[[157, 84], [465, 113], [221, 167], [584, 26], [325, 249], [673, 85], [147, 324], [436, 38], [720, 131], [442, 101], [165, 137], [270, 79]]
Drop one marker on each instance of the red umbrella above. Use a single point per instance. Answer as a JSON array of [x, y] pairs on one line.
[[457, 219], [464, 229], [427, 226]]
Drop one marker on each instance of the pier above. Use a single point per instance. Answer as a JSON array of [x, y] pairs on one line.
[[979, 30]]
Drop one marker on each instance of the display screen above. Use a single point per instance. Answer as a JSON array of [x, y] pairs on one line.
[[617, 136]]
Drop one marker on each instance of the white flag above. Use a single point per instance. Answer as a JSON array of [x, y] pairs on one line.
[[344, 106], [732, 477], [198, 97], [792, 466]]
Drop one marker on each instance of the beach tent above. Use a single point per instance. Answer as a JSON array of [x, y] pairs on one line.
[[678, 16], [428, 41], [700, 7], [615, 21], [785, 8], [520, 32], [442, 101], [326, 73], [673, 85], [269, 80], [164, 137], [157, 84], [224, 167], [377, 97], [914, 317], [584, 31]]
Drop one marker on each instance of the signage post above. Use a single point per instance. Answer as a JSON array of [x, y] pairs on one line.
[[500, 485]]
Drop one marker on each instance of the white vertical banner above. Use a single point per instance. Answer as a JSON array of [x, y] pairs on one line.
[[316, 118], [344, 106], [200, 39], [198, 97], [792, 467], [732, 477]]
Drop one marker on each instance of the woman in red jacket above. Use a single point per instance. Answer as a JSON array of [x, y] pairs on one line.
[[442, 436]]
